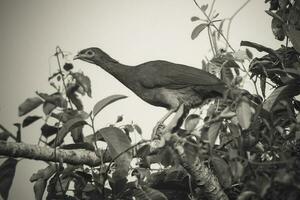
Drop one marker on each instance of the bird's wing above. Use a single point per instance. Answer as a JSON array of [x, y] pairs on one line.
[[175, 76]]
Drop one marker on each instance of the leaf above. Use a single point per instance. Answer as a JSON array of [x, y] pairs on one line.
[[222, 171], [48, 108], [67, 127], [71, 94], [246, 195], [194, 18], [7, 174], [280, 93], [143, 151], [138, 129], [39, 188], [274, 15], [149, 194], [226, 75], [263, 81], [249, 53], [47, 130], [56, 99], [213, 132], [29, 120], [294, 36], [84, 82], [191, 122], [116, 140], [204, 7], [105, 102], [237, 170], [240, 55], [77, 134], [28, 105], [197, 30], [68, 66], [117, 143], [45, 173], [119, 119], [244, 113], [4, 135]]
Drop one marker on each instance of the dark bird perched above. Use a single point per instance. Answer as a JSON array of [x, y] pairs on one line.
[[160, 83]]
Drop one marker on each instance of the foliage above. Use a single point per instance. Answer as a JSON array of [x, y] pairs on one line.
[[249, 142]]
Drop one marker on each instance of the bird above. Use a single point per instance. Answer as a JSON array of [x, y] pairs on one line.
[[160, 83]]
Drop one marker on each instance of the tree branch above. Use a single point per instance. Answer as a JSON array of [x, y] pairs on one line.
[[74, 157]]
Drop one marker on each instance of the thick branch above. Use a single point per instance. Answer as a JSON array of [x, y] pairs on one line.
[[74, 157]]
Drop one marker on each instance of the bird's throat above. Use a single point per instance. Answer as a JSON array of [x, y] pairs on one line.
[[116, 69]]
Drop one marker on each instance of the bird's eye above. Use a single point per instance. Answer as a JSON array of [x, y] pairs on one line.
[[90, 53]]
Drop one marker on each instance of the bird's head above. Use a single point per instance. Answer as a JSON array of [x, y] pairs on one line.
[[93, 55]]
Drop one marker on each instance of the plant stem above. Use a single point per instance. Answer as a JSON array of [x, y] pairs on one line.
[[59, 51]]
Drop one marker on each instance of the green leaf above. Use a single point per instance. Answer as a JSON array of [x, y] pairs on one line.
[[7, 174], [67, 127], [28, 105], [244, 114], [117, 143], [213, 132], [191, 122], [222, 171], [194, 18], [280, 93], [105, 102], [84, 82], [197, 30], [29, 120]]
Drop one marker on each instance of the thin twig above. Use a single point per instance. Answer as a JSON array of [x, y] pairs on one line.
[[231, 19], [213, 25], [9, 133], [211, 8], [59, 51]]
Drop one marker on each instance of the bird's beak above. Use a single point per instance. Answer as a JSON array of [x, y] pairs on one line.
[[77, 57]]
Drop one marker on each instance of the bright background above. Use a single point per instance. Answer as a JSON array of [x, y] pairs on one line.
[[131, 31]]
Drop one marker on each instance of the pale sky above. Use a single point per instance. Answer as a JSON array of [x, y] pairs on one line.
[[131, 31]]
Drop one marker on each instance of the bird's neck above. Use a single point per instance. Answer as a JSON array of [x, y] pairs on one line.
[[116, 69]]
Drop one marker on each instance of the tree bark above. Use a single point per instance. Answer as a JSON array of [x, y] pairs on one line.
[[74, 157]]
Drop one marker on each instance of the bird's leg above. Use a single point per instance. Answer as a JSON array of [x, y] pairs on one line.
[[161, 121], [174, 121]]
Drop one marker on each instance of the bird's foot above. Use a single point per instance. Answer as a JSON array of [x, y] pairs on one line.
[[158, 130]]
